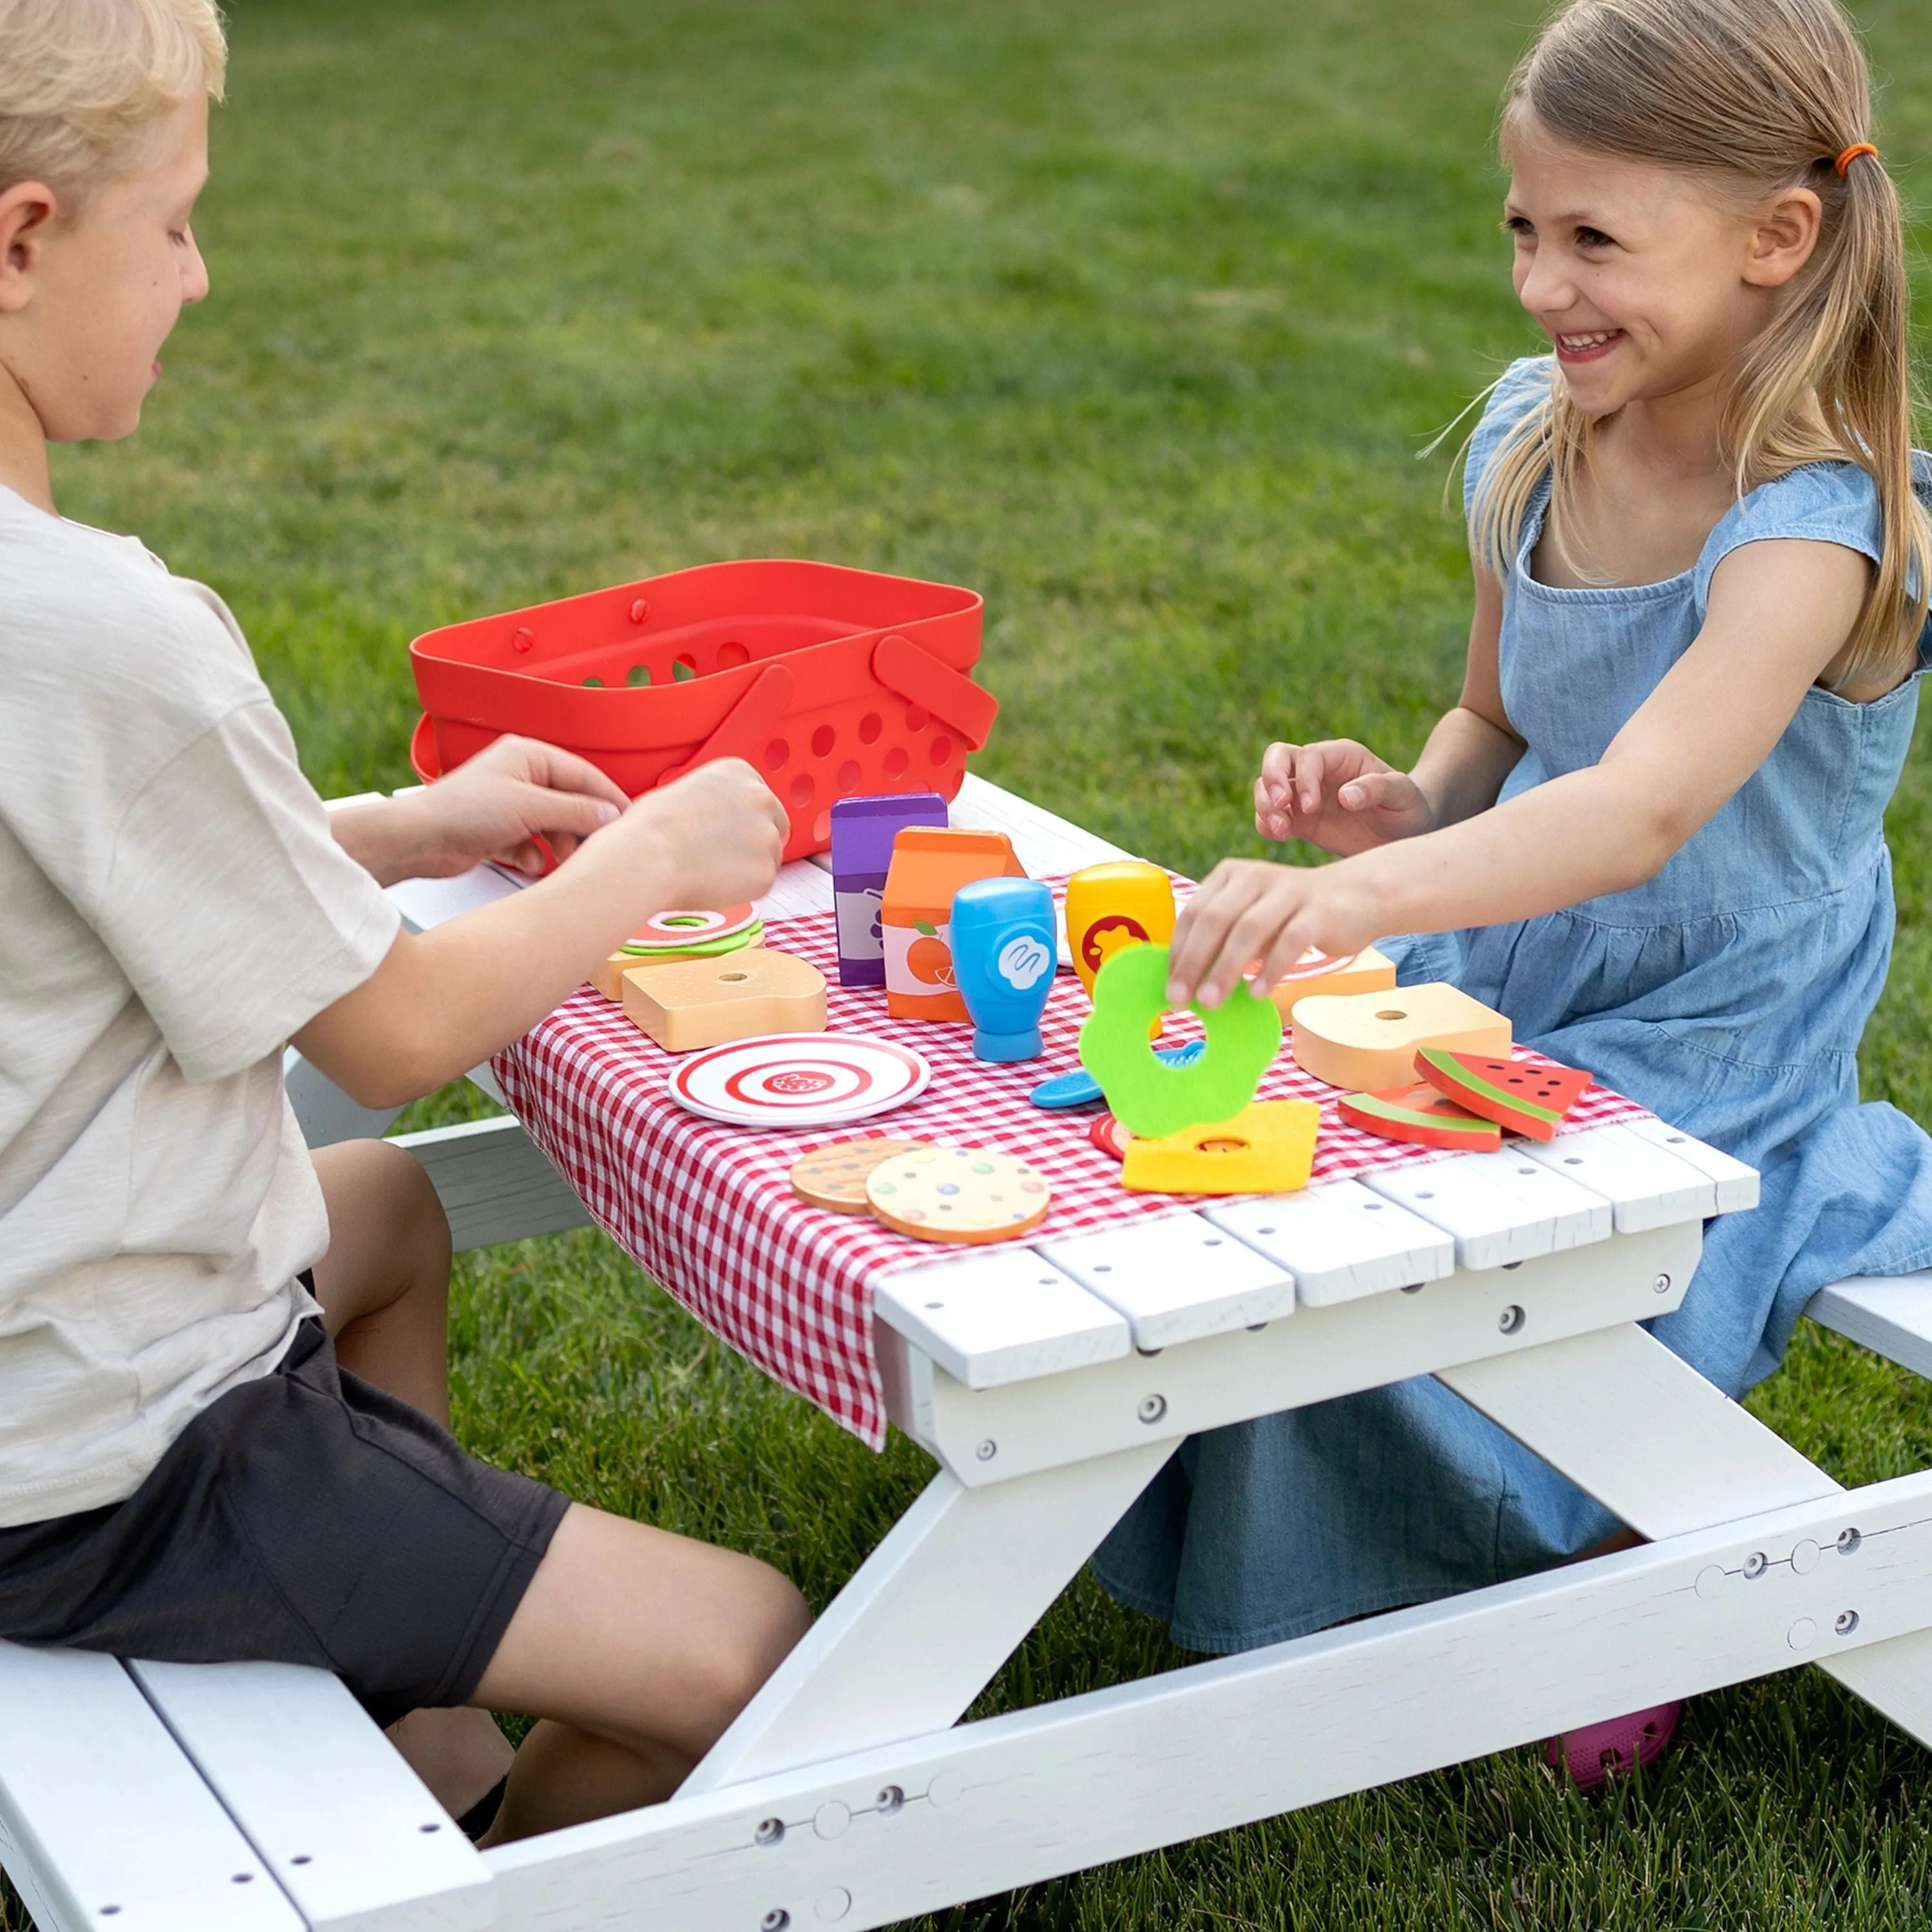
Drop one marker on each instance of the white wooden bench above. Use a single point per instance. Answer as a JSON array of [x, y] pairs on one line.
[[1050, 1383]]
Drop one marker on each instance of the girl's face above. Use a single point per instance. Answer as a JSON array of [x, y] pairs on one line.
[[1646, 282]]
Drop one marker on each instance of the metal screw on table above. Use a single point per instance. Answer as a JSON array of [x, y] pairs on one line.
[[1152, 1408], [639, 610], [987, 1450], [775, 1920], [1849, 1541], [1847, 1622], [770, 1830], [890, 1799], [1662, 1284], [1754, 1566], [1510, 1319]]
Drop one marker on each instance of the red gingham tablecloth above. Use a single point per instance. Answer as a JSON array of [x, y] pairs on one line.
[[708, 1210]]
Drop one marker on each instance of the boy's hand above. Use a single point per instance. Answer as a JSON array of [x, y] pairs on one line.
[[1247, 910], [1337, 795], [718, 833], [496, 805]]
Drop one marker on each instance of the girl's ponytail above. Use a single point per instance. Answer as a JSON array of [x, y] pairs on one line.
[[1759, 96]]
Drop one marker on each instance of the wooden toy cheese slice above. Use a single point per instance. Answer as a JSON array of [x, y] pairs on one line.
[[1267, 1148], [1421, 1116], [1367, 1042], [1367, 971], [738, 996], [958, 1194], [1529, 1097]]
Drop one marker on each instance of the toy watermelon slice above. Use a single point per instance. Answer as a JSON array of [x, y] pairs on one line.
[[1530, 1096], [1421, 1115]]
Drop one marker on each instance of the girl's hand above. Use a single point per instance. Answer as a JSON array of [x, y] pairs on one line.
[[1337, 795], [1247, 910]]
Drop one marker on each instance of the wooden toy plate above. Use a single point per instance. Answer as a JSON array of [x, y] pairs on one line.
[[799, 1080]]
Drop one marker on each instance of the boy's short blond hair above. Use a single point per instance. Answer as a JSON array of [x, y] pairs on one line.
[[83, 82]]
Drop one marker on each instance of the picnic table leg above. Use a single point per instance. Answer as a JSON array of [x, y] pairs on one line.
[[930, 1616], [1650, 1439]]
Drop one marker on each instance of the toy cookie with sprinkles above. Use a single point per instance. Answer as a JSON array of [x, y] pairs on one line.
[[958, 1194]]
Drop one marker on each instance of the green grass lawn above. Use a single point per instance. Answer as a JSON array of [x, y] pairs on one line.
[[1134, 316]]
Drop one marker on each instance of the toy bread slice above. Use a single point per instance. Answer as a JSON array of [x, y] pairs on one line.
[[1367, 971], [609, 978], [1421, 1116], [699, 1002], [1267, 1148], [1368, 1042], [1529, 1097]]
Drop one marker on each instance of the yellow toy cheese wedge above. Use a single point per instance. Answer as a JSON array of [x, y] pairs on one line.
[[1368, 1042], [1267, 1148], [1367, 971], [698, 1003], [609, 978]]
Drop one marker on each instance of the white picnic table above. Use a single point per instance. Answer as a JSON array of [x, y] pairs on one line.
[[1050, 1383]]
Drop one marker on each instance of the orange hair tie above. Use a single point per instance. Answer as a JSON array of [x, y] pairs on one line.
[[1851, 153]]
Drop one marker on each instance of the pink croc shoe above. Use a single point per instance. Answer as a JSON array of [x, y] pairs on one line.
[[1595, 1753]]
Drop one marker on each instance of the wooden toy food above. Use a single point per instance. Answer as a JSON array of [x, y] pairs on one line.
[[1421, 1116], [1123, 902], [929, 865], [1529, 1097], [696, 1003], [1080, 1089], [1268, 1148], [1148, 1097], [862, 832], [1367, 1042], [835, 1176], [1316, 973], [609, 977], [958, 1194], [1109, 1136], [1004, 953]]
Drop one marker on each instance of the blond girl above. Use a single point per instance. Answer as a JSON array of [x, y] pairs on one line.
[[1650, 831]]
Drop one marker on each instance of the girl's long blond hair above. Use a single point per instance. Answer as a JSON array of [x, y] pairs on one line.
[[1757, 97]]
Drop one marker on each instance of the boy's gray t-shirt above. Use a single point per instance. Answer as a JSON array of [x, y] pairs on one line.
[[172, 909]]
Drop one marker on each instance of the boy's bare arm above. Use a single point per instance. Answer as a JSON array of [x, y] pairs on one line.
[[443, 1001]]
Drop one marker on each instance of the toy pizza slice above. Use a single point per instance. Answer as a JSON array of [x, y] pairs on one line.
[[1529, 1097], [1421, 1116]]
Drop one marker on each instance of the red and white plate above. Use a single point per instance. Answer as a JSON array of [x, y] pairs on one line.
[[799, 1080]]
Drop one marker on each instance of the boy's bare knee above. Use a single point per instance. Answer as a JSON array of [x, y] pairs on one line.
[[773, 1616]]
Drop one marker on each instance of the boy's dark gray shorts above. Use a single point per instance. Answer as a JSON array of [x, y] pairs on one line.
[[307, 1518]]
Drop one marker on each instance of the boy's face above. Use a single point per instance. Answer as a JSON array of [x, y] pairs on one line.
[[1647, 285], [102, 290]]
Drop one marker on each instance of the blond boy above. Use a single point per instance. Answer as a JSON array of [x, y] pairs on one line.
[[222, 1362]]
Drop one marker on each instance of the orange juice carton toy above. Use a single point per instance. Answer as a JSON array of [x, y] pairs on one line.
[[1124, 902], [862, 832], [929, 865]]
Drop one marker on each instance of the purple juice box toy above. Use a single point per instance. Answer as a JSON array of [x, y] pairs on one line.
[[862, 832]]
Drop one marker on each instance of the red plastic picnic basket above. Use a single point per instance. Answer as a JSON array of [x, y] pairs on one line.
[[831, 681]]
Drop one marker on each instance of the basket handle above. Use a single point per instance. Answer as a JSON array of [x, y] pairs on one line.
[[901, 666], [737, 732]]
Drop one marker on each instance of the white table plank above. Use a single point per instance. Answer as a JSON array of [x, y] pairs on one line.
[[1646, 1185], [1005, 1314], [1493, 1225], [347, 1828], [105, 1825], [1576, 1213], [1736, 1184], [1890, 1315], [1340, 1241], [1177, 1279]]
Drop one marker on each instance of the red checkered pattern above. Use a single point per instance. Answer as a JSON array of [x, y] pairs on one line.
[[708, 1210]]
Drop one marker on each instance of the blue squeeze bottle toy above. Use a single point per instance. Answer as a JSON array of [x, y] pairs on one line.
[[1004, 957]]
